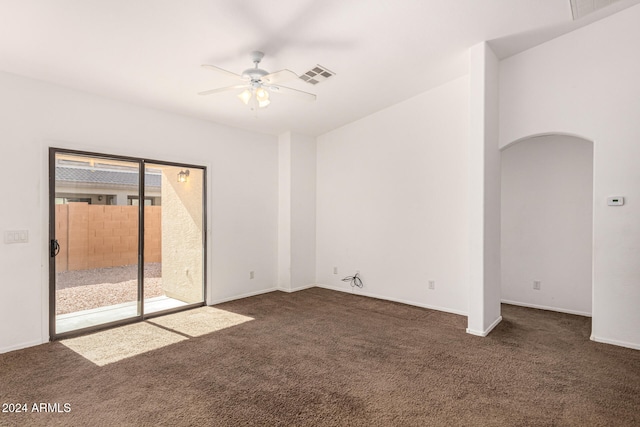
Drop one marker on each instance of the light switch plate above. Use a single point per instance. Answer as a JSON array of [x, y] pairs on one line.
[[16, 236]]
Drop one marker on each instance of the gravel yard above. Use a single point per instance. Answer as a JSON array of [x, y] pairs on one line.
[[87, 289]]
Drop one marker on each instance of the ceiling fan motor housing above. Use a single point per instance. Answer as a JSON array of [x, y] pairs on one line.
[[254, 73]]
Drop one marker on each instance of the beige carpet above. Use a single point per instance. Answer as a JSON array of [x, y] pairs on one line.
[[324, 358], [201, 321], [113, 345]]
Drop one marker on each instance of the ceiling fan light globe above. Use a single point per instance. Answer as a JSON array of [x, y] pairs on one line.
[[263, 104], [245, 96], [262, 95]]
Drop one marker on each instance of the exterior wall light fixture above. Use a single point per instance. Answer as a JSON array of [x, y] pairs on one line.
[[183, 175]]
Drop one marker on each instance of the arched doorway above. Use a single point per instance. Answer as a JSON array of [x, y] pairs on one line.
[[547, 223]]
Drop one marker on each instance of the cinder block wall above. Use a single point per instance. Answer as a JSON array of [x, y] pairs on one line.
[[93, 236], [152, 234]]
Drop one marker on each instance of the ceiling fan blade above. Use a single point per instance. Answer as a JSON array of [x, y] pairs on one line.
[[223, 89], [223, 71], [279, 76], [290, 91]]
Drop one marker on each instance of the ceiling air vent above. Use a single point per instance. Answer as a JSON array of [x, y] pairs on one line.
[[581, 8], [316, 75]]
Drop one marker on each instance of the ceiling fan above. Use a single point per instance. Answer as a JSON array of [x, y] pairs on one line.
[[258, 83]]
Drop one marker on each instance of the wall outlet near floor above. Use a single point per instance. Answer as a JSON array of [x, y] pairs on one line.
[[536, 285], [432, 284], [252, 274], [335, 270]]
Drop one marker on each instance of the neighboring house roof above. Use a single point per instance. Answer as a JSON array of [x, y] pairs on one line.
[[107, 177]]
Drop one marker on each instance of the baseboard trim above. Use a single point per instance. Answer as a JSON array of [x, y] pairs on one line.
[[544, 307], [486, 331], [247, 295], [615, 342], [401, 301], [299, 288], [21, 346]]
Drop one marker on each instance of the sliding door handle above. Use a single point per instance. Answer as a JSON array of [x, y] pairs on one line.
[[54, 248]]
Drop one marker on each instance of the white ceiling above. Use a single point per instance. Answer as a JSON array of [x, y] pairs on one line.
[[149, 52]]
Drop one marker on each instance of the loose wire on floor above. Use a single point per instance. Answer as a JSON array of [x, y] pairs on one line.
[[355, 280]]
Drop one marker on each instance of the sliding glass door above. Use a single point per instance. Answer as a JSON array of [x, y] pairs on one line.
[[127, 239], [95, 241], [173, 257]]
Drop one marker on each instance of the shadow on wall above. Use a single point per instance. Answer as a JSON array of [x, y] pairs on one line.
[[547, 223]]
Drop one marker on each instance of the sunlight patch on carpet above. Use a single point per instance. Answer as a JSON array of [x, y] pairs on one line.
[[113, 345], [121, 343], [200, 321]]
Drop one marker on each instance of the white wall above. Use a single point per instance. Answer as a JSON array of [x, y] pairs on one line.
[[547, 210], [484, 192], [586, 83], [297, 212], [242, 190], [303, 211], [284, 211], [392, 201]]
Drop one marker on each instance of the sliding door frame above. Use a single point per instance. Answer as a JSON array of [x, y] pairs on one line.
[[141, 316]]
